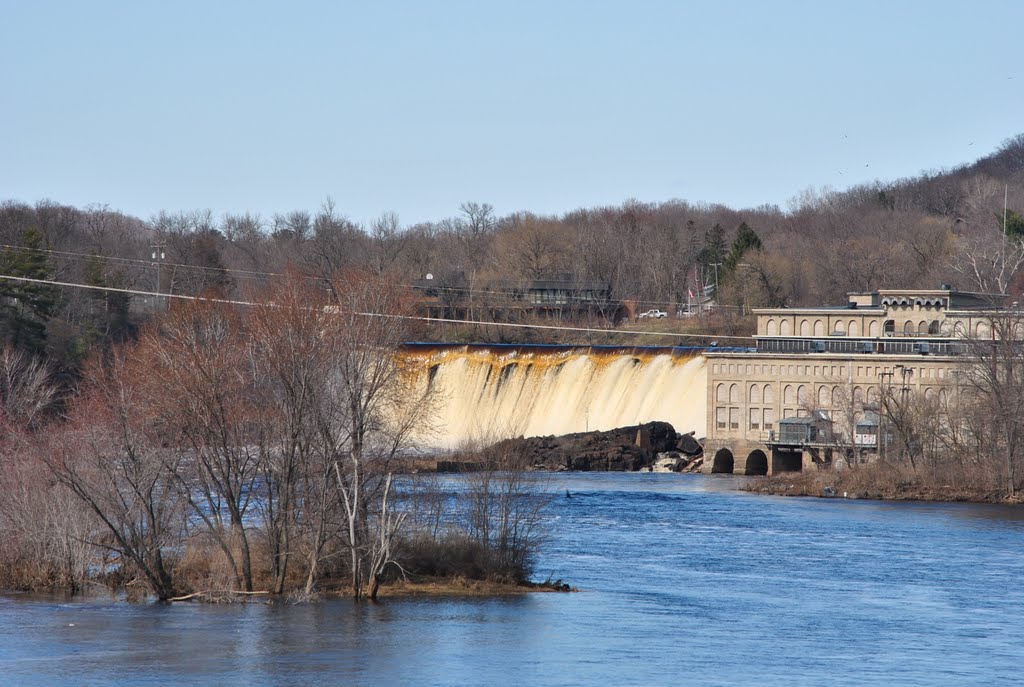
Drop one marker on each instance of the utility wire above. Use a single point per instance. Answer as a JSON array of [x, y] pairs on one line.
[[139, 261], [250, 274], [514, 325]]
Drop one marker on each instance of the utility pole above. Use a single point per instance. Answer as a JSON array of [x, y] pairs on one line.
[[158, 258], [882, 429]]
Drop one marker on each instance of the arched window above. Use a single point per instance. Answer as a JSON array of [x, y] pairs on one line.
[[837, 397], [853, 329], [772, 328], [769, 393], [929, 394], [922, 327], [734, 393], [873, 394], [823, 397], [981, 331], [788, 395], [934, 327], [908, 328], [943, 396], [889, 328], [873, 328], [755, 393], [858, 396], [819, 328], [785, 328], [720, 393], [805, 328], [801, 394]]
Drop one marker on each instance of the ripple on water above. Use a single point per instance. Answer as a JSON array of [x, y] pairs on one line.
[[685, 581]]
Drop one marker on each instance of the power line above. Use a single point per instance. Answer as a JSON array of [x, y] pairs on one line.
[[139, 261], [512, 325], [249, 274]]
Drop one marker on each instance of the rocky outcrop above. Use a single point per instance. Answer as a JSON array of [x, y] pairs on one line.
[[624, 449]]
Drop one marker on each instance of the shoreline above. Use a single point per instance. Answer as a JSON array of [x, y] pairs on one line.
[[431, 587], [460, 587], [877, 485]]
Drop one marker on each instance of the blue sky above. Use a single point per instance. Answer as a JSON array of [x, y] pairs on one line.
[[545, 106]]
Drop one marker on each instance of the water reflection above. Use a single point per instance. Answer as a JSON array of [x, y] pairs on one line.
[[685, 581]]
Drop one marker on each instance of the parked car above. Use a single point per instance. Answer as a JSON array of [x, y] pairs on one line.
[[653, 313]]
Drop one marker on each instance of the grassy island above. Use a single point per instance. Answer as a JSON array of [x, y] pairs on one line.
[[884, 481]]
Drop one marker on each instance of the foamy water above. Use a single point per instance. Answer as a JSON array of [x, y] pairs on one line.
[[486, 393]]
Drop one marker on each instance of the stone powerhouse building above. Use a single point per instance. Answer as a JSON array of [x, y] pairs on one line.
[[810, 390]]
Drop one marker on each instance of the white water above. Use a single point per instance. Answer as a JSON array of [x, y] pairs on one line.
[[485, 394]]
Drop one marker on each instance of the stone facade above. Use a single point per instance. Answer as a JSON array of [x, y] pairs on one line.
[[834, 363]]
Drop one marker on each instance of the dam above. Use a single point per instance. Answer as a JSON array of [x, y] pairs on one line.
[[819, 383], [487, 392]]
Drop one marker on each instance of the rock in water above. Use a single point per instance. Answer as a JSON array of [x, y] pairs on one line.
[[619, 449]]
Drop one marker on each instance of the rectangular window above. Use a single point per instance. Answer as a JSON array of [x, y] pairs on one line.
[[720, 418], [734, 418], [755, 418], [769, 419]]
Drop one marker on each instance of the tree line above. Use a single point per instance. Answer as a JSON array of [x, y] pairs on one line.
[[245, 449], [943, 227]]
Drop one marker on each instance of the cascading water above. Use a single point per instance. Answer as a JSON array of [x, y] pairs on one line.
[[488, 392]]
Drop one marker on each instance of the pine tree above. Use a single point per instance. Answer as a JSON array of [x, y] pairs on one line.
[[1014, 227], [26, 307], [714, 247], [746, 240]]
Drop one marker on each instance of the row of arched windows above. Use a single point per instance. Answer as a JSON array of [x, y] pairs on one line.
[[808, 327], [798, 394]]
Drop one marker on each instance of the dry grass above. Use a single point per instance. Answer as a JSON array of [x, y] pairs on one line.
[[459, 586], [882, 481]]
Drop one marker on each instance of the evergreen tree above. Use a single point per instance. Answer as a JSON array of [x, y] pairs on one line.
[[1014, 227], [714, 247], [746, 240], [26, 307], [109, 316]]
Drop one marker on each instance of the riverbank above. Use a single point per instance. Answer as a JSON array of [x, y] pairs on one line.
[[426, 587], [883, 483], [461, 587]]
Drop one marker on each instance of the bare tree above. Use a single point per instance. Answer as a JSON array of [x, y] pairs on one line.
[[292, 344], [104, 457], [990, 264], [994, 381], [27, 390], [200, 377], [506, 514], [380, 407]]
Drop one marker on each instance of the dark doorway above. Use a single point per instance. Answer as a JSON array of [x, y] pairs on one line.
[[723, 461], [757, 463]]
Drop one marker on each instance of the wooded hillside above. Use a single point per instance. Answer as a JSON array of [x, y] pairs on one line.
[[939, 227]]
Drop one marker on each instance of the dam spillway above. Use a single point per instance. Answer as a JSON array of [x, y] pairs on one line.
[[486, 392]]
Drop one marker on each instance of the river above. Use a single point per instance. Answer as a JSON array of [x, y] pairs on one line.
[[685, 581]]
